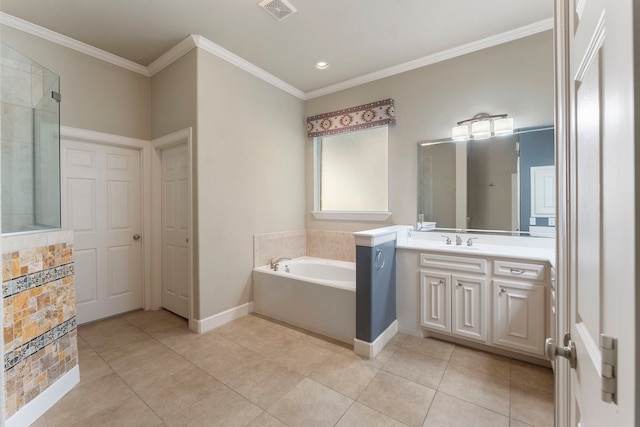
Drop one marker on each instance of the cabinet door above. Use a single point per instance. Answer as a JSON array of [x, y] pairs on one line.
[[518, 316], [468, 315], [435, 301]]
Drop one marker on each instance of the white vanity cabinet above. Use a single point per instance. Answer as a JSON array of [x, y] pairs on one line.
[[454, 303], [499, 302], [519, 306]]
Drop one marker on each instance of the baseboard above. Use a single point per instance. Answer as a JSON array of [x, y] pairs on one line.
[[371, 349], [220, 319], [33, 410]]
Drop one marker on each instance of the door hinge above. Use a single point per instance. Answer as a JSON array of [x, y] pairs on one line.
[[56, 95], [609, 351]]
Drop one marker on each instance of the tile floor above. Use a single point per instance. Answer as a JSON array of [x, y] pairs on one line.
[[148, 369]]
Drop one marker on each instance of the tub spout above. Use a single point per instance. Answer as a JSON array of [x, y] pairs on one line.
[[274, 264]]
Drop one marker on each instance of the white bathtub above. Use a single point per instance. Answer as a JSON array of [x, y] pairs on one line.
[[312, 293]]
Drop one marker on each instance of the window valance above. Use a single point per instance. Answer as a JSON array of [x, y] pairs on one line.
[[355, 118]]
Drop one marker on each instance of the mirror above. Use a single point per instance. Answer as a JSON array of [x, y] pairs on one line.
[[503, 184]]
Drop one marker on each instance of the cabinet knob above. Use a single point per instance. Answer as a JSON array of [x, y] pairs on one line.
[[503, 290], [441, 282]]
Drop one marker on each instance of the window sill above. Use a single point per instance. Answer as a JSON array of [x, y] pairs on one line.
[[351, 215]]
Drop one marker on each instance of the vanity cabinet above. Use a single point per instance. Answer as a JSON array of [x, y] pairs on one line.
[[453, 304], [498, 302]]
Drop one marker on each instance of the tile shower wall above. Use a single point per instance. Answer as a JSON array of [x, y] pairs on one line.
[[338, 245], [40, 343]]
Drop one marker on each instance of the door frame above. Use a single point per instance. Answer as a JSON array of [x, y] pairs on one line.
[[102, 138], [183, 136]]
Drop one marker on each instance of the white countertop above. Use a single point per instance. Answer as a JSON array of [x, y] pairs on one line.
[[518, 249]]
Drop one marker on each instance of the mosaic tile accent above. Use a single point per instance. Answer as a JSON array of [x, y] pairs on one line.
[[39, 314]]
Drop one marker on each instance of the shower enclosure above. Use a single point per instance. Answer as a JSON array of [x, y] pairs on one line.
[[30, 141]]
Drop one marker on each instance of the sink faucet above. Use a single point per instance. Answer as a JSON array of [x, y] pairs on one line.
[[274, 264], [458, 240], [470, 241]]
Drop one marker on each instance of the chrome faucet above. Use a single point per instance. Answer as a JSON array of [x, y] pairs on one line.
[[274, 264], [458, 240], [470, 241]]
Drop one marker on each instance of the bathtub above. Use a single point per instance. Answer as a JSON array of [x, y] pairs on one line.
[[312, 293]]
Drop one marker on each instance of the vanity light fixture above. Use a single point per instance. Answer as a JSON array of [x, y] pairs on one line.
[[322, 65], [482, 126]]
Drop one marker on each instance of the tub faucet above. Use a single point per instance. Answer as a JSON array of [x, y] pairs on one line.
[[274, 264]]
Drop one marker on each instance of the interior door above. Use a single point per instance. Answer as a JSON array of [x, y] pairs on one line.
[[176, 294], [597, 249], [101, 188]]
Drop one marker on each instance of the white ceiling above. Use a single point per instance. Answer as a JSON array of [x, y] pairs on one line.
[[358, 37]]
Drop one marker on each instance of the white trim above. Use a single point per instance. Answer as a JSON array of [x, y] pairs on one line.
[[527, 30], [78, 46], [247, 66], [78, 134], [33, 410], [351, 215], [172, 55], [183, 136], [198, 41], [226, 316], [371, 350]]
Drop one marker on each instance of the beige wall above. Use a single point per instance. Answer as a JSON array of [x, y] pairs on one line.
[[96, 95], [250, 165], [514, 78]]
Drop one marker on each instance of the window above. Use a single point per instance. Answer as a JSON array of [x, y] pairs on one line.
[[351, 175]]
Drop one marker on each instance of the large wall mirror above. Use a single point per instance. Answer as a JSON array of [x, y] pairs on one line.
[[503, 184]]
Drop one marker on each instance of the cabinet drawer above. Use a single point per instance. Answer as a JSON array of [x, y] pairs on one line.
[[519, 270], [473, 265]]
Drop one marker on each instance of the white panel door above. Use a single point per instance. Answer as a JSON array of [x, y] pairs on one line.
[[468, 307], [176, 295], [435, 301], [101, 188], [601, 247]]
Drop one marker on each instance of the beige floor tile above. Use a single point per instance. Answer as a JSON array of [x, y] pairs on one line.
[[266, 420], [345, 375], [449, 411], [531, 406], [134, 350], [92, 366], [244, 326], [142, 370], [484, 390], [536, 377], [88, 399], [168, 396], [429, 347], [487, 363], [268, 343], [302, 357], [131, 412], [220, 357], [359, 415], [416, 367], [266, 383], [516, 423], [126, 335], [223, 407], [310, 404], [153, 321], [410, 400], [40, 422], [102, 328]]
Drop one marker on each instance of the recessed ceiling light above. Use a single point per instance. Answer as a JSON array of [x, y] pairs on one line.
[[322, 65]]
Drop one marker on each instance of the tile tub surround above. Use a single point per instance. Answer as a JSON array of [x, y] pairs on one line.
[[255, 371], [39, 324], [337, 245]]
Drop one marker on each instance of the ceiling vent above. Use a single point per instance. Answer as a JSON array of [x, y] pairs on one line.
[[279, 9]]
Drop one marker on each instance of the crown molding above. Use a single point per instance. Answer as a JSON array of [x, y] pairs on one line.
[[527, 30], [193, 40], [68, 42], [247, 66]]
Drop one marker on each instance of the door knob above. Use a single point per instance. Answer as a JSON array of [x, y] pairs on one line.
[[568, 350], [136, 237]]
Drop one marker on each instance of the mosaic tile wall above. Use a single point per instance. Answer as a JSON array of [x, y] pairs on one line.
[[338, 245], [40, 342]]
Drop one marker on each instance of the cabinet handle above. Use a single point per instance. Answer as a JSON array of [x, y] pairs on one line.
[[503, 290], [441, 282], [380, 260], [459, 284], [517, 271]]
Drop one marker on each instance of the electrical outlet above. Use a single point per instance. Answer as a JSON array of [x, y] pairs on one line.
[[552, 221], [532, 220]]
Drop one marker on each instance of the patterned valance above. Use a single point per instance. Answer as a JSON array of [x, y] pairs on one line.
[[355, 118]]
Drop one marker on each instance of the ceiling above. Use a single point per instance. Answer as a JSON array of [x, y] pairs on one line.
[[357, 37]]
